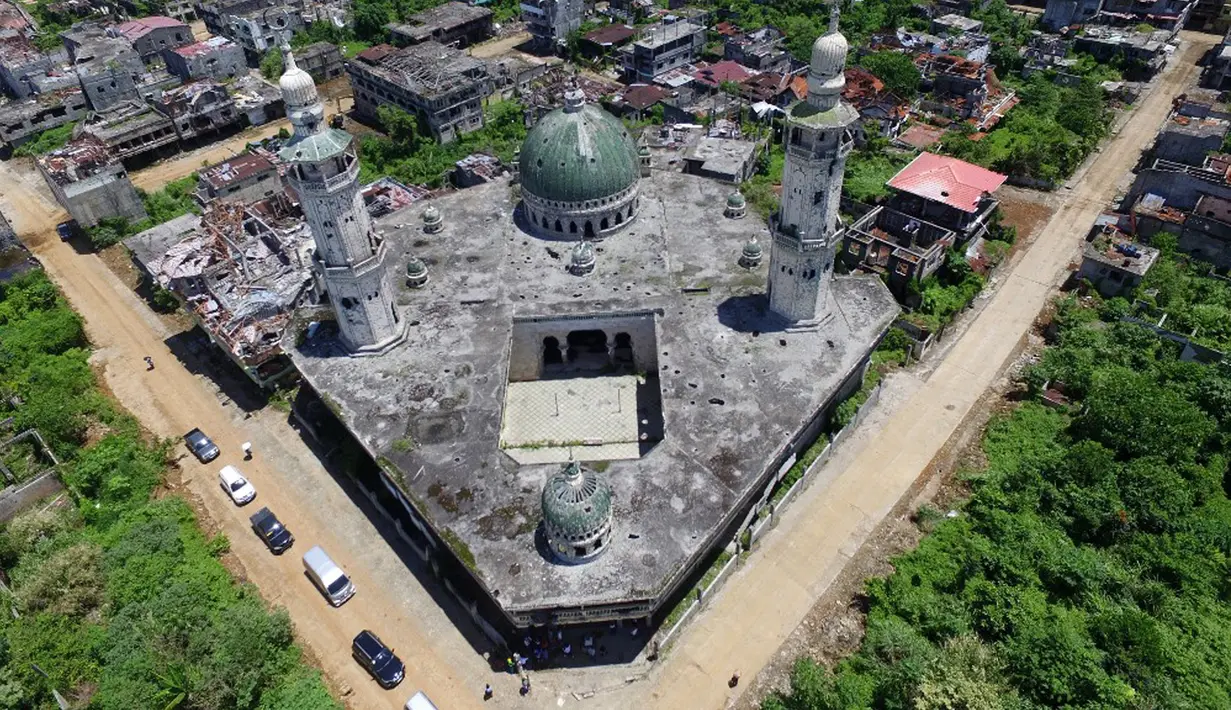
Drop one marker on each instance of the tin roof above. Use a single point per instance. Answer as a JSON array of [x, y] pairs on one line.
[[714, 75], [235, 169], [203, 47], [136, 29], [947, 180]]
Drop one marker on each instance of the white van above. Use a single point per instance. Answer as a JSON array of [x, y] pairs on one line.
[[327, 576], [419, 701]]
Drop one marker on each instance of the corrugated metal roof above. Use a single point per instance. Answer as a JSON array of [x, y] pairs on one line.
[[948, 180]]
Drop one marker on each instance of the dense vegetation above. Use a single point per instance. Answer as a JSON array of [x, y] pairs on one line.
[[173, 200], [412, 156], [1195, 302], [47, 141], [121, 598], [1089, 568]]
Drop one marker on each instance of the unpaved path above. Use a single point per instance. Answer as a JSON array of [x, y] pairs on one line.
[[767, 599], [169, 401]]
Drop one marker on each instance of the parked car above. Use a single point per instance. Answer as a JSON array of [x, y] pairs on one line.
[[420, 701], [201, 446], [378, 659], [68, 230], [235, 485], [271, 531], [327, 576]]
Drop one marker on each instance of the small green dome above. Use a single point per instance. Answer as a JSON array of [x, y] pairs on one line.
[[752, 249], [576, 503], [431, 214], [735, 200], [415, 267], [578, 153]]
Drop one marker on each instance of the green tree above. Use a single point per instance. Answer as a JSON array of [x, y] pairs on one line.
[[272, 65], [896, 70]]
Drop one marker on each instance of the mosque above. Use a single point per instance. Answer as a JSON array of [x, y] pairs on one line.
[[578, 384]]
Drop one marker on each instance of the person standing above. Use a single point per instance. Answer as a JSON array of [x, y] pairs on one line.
[[487, 692]]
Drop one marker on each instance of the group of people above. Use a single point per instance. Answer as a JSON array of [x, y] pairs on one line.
[[539, 646]]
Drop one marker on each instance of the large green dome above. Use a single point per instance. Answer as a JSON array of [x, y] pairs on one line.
[[578, 153]]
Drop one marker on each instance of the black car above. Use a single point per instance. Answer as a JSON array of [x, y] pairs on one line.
[[378, 659], [201, 445], [267, 527], [67, 230]]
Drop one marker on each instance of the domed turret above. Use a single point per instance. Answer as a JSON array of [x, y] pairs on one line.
[[433, 222], [416, 273], [582, 260], [826, 73], [737, 206], [579, 172], [298, 87], [577, 513], [750, 256]]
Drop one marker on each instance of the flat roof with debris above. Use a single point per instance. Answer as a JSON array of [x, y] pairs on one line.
[[78, 160], [235, 170], [208, 46], [422, 25], [427, 69]]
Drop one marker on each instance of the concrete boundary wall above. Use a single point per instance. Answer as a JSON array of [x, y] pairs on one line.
[[15, 499]]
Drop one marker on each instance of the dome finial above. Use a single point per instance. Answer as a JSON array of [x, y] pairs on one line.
[[288, 58], [574, 97], [833, 16]]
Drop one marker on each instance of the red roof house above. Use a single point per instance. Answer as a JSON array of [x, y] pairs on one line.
[[946, 180], [140, 27], [715, 74]]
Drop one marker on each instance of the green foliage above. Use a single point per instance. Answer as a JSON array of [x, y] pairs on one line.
[[1045, 137], [321, 31], [411, 155], [897, 70], [47, 141], [121, 598], [868, 170], [272, 65], [1194, 302], [1088, 569]]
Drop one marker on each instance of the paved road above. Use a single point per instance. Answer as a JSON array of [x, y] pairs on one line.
[[756, 611], [170, 400]]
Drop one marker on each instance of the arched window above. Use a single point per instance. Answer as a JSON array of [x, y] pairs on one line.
[[559, 227], [572, 227]]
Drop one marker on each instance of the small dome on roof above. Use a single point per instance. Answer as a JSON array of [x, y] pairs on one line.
[[577, 513], [582, 259], [431, 214], [298, 87], [736, 199], [415, 267], [753, 249]]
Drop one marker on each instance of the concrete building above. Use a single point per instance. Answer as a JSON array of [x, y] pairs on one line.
[[20, 120], [661, 48], [88, 182], [1144, 53], [259, 26], [350, 258], [151, 36], [559, 319], [108, 68], [760, 50], [453, 23], [322, 60], [947, 192], [19, 61], [1059, 14], [246, 178], [181, 10], [130, 130], [551, 21], [1184, 139], [1113, 262], [903, 248], [441, 85], [215, 58], [201, 108], [1217, 72], [257, 100], [881, 112], [604, 41], [724, 159]]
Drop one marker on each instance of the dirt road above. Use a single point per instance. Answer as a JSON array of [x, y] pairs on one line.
[[169, 401], [769, 597]]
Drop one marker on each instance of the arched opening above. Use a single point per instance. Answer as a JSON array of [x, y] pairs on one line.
[[619, 218], [589, 229], [587, 349], [572, 227], [605, 224], [623, 353], [559, 227], [551, 352]]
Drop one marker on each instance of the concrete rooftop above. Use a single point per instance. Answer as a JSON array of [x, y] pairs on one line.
[[735, 388]]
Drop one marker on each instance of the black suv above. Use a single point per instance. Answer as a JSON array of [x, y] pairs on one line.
[[267, 527], [201, 445], [378, 659]]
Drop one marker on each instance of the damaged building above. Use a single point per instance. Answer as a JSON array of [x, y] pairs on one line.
[[108, 68], [550, 22], [198, 109], [441, 85], [91, 184], [131, 130], [259, 26], [244, 178], [215, 58], [453, 23], [240, 271], [20, 120], [322, 60], [151, 36], [660, 49]]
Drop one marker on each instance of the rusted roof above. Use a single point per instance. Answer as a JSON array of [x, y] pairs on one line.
[[950, 181], [611, 35], [373, 55], [715, 74], [643, 96], [921, 136], [212, 44], [136, 29], [235, 169]]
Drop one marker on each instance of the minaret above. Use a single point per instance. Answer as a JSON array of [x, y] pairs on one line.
[[806, 228], [324, 170]]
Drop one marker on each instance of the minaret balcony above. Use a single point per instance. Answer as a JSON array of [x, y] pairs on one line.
[[319, 185]]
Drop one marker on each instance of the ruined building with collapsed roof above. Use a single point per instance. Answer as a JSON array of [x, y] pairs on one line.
[[439, 84], [576, 388], [88, 182]]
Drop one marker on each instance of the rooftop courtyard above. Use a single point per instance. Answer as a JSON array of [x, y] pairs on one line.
[[660, 369]]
